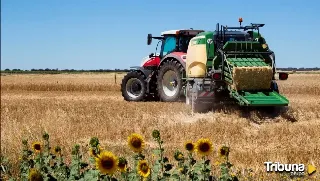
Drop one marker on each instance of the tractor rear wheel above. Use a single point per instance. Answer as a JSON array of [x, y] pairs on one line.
[[169, 81], [133, 86]]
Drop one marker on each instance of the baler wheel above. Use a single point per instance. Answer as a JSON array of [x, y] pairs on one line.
[[169, 81], [133, 86]]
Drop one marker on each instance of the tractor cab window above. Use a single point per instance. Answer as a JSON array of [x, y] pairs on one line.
[[184, 43], [169, 45]]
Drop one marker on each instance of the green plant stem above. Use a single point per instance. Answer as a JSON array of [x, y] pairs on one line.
[[60, 158], [48, 147], [189, 163], [227, 160], [203, 168], [161, 155], [41, 161], [78, 164]]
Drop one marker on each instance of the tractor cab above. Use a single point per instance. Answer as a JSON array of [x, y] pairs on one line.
[[173, 41]]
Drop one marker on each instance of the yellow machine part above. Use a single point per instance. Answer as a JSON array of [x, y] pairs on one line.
[[196, 59]]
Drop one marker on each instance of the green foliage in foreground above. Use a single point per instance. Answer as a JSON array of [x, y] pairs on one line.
[[40, 162]]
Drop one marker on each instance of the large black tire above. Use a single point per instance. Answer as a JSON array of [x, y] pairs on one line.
[[153, 93], [177, 68], [136, 90]]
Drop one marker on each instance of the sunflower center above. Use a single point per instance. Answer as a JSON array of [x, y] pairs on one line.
[[223, 152], [34, 175], [136, 143], [144, 168], [204, 147], [189, 146], [94, 152], [107, 164], [37, 147]]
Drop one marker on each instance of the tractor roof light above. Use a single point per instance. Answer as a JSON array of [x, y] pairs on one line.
[[240, 21]]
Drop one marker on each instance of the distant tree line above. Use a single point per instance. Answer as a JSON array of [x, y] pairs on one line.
[[57, 71], [299, 69]]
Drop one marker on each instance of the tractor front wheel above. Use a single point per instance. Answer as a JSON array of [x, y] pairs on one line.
[[169, 81], [133, 86]]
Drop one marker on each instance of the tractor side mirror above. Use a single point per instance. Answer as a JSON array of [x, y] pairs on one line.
[[151, 55], [149, 39]]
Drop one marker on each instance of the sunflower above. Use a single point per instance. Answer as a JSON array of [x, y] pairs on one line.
[[204, 146], [178, 155], [57, 150], [143, 168], [35, 175], [37, 146], [156, 134], [107, 162], [93, 151], [122, 164], [224, 151], [136, 142], [183, 170], [189, 146]]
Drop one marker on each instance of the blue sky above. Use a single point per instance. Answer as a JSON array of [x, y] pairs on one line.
[[107, 34]]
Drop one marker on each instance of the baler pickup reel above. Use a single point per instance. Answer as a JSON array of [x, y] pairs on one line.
[[248, 69]]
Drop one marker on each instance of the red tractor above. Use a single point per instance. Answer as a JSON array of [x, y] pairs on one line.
[[161, 76]]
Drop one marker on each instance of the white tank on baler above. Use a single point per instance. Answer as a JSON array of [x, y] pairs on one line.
[[196, 57]]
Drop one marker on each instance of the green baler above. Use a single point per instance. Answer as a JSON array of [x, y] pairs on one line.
[[212, 59]]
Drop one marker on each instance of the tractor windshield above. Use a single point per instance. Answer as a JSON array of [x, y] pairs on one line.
[[183, 43], [175, 43], [169, 45]]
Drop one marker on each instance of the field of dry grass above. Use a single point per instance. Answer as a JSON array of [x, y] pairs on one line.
[[74, 107]]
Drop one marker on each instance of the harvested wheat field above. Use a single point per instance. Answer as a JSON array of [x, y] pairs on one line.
[[74, 107]]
